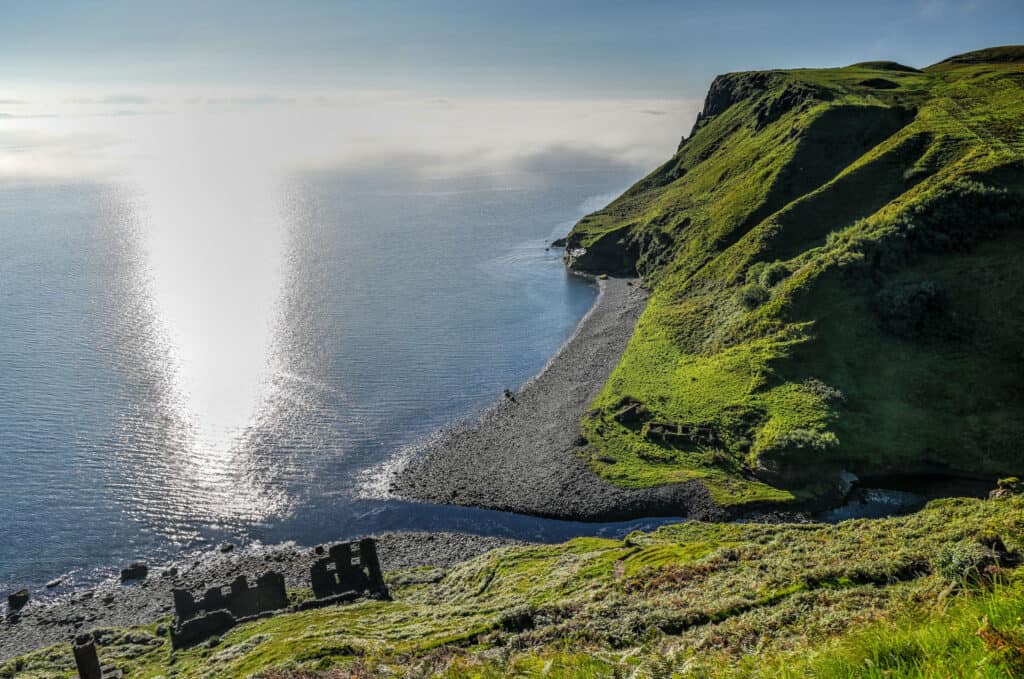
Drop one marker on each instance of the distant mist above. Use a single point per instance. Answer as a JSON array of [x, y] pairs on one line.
[[82, 136]]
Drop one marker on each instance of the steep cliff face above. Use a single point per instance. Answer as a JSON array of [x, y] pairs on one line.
[[835, 257]]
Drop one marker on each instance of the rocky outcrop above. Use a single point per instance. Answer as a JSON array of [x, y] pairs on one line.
[[613, 252], [728, 89]]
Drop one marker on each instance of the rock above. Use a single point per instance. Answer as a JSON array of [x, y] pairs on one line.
[[54, 583], [17, 600], [558, 243], [1007, 487], [135, 571], [226, 547]]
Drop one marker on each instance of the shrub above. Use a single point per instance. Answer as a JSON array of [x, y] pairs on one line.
[[773, 274], [1011, 485], [806, 439], [752, 295], [755, 271], [823, 391], [964, 561], [912, 309]]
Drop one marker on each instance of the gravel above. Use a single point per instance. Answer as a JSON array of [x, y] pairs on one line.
[[522, 454]]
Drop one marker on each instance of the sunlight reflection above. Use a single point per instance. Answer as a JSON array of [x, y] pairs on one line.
[[213, 239]]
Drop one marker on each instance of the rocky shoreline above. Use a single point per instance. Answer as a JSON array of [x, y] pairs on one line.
[[114, 604], [522, 454]]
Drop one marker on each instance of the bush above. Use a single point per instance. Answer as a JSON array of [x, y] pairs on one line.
[[1011, 485], [913, 309], [806, 439], [752, 295], [964, 561], [773, 274], [826, 393], [755, 271]]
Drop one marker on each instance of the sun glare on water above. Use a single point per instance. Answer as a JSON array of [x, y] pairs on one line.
[[204, 208]]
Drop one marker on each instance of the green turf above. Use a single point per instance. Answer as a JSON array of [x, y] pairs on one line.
[[694, 599], [833, 256]]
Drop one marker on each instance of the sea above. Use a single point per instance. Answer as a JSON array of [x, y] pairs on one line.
[[190, 360]]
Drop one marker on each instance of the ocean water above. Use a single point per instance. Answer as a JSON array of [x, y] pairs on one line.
[[192, 361]]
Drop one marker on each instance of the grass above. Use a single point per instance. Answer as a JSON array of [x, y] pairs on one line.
[[784, 243], [693, 599], [834, 261]]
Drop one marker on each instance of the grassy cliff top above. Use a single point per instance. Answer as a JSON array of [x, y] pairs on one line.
[[834, 255], [835, 263], [693, 600]]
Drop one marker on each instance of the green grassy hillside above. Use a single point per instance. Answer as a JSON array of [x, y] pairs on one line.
[[835, 259], [894, 597]]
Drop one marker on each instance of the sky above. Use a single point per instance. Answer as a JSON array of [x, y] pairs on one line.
[[479, 78]]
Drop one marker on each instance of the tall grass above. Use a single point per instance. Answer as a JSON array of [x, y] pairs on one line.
[[975, 636]]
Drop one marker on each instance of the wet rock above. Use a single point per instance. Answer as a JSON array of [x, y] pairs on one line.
[[54, 583], [17, 600], [135, 571], [226, 547]]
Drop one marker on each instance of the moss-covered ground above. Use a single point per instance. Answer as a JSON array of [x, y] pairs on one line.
[[692, 599], [834, 256]]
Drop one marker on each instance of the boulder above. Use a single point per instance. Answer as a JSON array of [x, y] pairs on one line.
[[17, 600], [137, 570]]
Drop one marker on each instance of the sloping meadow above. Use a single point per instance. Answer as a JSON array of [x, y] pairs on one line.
[[693, 597], [833, 256]]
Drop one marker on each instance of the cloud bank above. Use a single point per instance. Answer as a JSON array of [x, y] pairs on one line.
[[94, 136]]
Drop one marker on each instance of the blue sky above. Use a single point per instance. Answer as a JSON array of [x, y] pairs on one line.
[[521, 48]]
